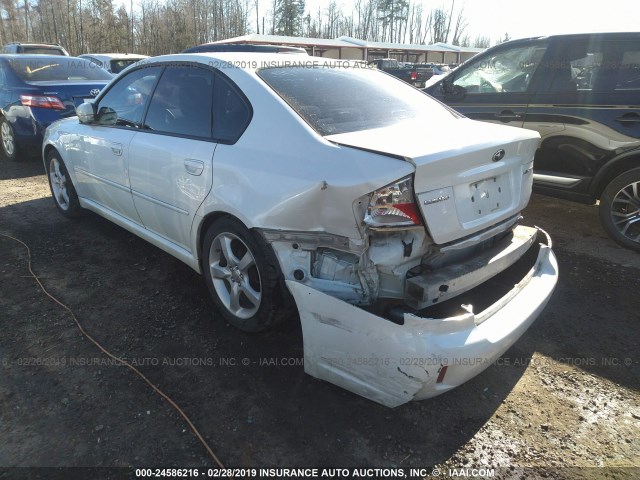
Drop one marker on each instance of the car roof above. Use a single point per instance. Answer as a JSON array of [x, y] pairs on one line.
[[113, 55], [249, 61], [577, 36], [53, 45], [22, 56]]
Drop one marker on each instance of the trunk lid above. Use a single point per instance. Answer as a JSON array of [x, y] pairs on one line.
[[469, 175], [72, 94]]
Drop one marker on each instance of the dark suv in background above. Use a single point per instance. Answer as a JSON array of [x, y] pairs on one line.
[[34, 49], [582, 94]]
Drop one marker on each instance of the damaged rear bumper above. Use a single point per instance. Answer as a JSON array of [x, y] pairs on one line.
[[393, 364]]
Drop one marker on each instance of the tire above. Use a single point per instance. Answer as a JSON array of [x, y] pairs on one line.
[[243, 277], [8, 143], [62, 189], [620, 209]]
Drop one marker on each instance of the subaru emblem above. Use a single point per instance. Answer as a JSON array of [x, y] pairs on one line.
[[499, 155], [94, 92]]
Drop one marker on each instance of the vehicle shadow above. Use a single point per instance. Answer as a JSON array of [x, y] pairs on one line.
[[595, 312], [594, 322], [248, 394], [27, 166]]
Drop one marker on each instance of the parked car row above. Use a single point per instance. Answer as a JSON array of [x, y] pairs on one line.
[[415, 75], [36, 90], [395, 233], [40, 83]]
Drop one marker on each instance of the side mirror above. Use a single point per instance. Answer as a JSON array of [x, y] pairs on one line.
[[86, 112], [452, 91], [447, 86], [107, 116]]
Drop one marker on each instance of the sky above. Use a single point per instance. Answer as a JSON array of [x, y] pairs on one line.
[[526, 18]]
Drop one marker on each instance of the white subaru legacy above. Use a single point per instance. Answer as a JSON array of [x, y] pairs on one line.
[[390, 223]]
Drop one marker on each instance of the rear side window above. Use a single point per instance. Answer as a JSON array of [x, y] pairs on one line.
[[231, 112], [181, 103], [42, 69], [597, 66], [349, 99], [41, 51]]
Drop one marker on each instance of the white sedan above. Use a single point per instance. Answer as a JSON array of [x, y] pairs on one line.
[[389, 221]]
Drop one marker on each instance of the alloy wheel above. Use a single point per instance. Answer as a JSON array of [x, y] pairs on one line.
[[58, 184], [625, 211], [8, 140], [235, 275]]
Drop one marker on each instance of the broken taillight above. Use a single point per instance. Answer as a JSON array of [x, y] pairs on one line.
[[393, 205]]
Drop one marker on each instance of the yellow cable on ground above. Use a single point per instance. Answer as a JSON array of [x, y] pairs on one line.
[[119, 360]]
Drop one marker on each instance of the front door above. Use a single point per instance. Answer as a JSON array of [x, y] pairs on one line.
[[102, 171], [496, 88], [588, 107]]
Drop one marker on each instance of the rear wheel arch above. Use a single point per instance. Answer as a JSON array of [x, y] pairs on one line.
[[612, 170], [276, 304], [206, 222]]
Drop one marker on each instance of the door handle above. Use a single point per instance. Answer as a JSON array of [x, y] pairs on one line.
[[116, 148], [508, 115], [193, 167], [629, 118]]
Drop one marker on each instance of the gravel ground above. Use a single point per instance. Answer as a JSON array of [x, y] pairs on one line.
[[564, 402]]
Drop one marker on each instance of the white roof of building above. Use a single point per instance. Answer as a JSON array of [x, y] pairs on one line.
[[436, 47], [347, 42], [281, 39]]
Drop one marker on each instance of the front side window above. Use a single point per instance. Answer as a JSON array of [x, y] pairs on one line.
[[125, 102], [181, 103], [337, 100], [507, 71]]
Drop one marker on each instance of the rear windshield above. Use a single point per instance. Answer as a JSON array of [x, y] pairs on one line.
[[35, 50], [118, 65], [63, 69], [346, 99]]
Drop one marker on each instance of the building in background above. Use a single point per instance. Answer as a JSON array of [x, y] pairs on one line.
[[347, 48]]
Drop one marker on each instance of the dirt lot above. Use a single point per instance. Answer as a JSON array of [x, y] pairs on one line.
[[566, 395]]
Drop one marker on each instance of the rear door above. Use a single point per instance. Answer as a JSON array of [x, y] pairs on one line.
[[170, 165], [497, 87], [587, 109]]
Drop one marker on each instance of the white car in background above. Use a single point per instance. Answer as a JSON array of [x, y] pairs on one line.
[[390, 221], [113, 62]]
